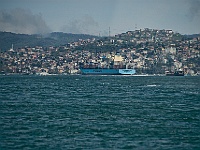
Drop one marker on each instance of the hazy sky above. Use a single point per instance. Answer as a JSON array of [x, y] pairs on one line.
[[96, 16]]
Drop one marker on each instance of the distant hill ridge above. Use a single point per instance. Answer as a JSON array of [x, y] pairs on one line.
[[52, 39]]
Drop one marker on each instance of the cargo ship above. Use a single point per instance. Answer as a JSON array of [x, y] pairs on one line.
[[107, 71], [113, 65]]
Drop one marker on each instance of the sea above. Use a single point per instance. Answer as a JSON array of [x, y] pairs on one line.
[[64, 112]]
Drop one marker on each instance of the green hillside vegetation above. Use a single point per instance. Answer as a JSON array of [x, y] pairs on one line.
[[24, 40]]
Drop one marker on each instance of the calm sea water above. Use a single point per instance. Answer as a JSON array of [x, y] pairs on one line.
[[99, 112]]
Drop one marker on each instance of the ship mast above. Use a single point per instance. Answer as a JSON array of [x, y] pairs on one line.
[[109, 31]]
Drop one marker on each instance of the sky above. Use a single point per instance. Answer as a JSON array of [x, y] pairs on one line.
[[95, 17]]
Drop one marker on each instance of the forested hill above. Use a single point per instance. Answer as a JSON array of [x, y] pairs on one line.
[[52, 39]]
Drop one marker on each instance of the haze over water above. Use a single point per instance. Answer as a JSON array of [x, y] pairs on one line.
[[99, 112]]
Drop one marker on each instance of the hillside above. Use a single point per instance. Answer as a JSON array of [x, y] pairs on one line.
[[149, 51], [52, 39]]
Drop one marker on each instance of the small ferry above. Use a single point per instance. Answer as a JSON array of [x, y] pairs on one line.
[[176, 73]]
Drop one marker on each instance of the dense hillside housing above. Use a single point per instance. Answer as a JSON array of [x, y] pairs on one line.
[[149, 51]]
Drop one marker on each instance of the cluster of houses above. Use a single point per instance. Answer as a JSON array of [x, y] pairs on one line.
[[149, 51]]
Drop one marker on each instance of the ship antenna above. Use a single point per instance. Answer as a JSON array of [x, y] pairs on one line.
[[109, 31]]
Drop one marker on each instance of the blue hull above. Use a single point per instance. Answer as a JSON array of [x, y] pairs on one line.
[[107, 71]]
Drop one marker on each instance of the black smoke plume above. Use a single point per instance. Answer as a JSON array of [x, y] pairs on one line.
[[22, 21]]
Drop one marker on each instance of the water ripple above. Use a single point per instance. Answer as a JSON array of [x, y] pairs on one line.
[[99, 112]]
